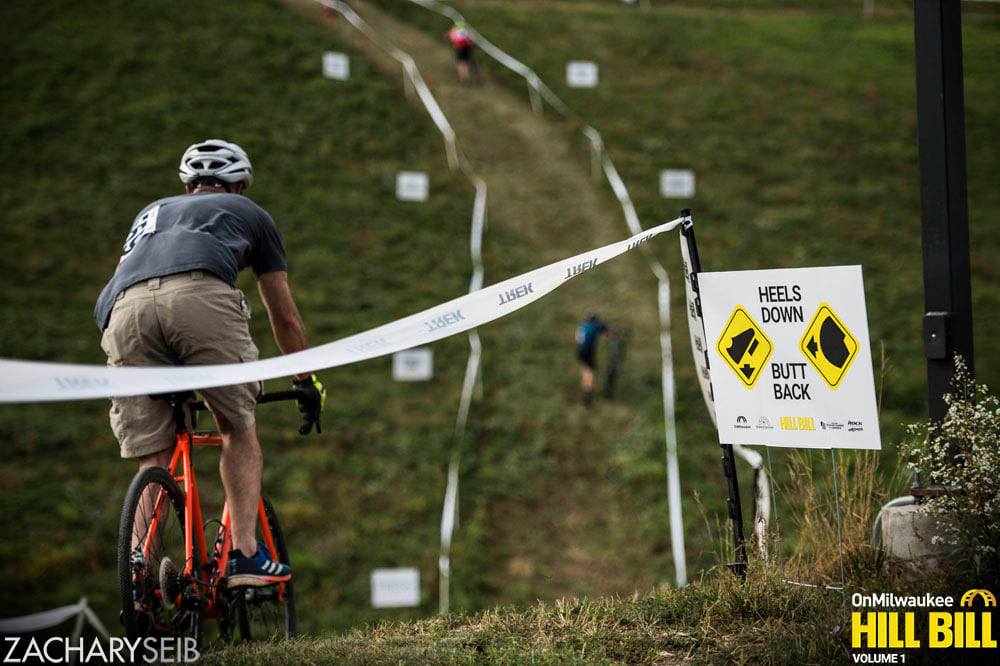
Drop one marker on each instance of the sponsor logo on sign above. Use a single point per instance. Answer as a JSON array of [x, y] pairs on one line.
[[742, 423], [829, 346], [744, 347], [797, 423], [763, 423], [831, 425], [854, 426]]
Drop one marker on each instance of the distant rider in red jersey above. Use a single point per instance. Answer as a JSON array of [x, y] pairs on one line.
[[462, 41]]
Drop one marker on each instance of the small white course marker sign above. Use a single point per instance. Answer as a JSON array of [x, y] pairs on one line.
[[677, 184], [413, 365], [336, 66], [790, 359], [395, 588], [412, 186], [581, 74]]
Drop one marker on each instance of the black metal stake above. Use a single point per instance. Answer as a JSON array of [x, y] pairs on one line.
[[941, 132], [739, 567]]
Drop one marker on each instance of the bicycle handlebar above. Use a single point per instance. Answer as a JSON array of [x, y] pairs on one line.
[[275, 396]]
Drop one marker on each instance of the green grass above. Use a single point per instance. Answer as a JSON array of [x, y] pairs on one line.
[[801, 127], [712, 621], [100, 105]]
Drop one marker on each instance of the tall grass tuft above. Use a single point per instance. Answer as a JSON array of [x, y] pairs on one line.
[[824, 540]]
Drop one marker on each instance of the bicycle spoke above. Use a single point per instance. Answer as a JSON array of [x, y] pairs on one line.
[[155, 535]]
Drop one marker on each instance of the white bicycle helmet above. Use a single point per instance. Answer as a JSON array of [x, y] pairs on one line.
[[214, 158]]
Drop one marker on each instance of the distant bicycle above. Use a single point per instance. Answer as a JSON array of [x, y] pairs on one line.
[[169, 580]]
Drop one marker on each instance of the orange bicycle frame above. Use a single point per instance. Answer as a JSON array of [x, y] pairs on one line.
[[181, 468]]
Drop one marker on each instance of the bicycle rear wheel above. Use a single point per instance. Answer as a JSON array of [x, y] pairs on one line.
[[154, 494], [267, 613]]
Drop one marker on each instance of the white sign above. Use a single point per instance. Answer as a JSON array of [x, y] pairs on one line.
[[790, 358], [676, 184], [581, 74], [336, 66], [395, 588], [412, 186], [413, 365]]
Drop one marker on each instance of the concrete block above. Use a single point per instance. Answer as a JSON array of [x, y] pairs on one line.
[[907, 539]]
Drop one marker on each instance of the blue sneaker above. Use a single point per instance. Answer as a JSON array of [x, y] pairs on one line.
[[257, 571]]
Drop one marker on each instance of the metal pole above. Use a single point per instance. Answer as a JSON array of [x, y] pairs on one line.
[[944, 205], [739, 567]]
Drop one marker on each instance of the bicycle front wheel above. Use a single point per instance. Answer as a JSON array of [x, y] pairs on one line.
[[267, 613], [157, 598]]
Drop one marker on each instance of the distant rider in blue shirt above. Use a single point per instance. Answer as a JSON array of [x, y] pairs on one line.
[[586, 351]]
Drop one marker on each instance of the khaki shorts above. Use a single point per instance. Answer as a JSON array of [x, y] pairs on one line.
[[189, 318]]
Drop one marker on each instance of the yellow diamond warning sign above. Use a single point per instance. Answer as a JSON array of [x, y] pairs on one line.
[[744, 346], [829, 345]]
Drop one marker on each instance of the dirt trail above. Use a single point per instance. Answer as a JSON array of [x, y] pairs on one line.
[[576, 535]]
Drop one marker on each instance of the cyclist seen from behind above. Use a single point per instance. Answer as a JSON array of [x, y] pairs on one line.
[[463, 43], [586, 353], [173, 300]]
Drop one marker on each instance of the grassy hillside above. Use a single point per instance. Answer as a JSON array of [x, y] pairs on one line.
[[801, 127], [99, 106], [106, 102]]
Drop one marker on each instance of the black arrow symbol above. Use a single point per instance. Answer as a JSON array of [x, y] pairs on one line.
[[747, 370], [812, 346]]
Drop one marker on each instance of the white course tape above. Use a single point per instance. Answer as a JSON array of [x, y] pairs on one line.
[[50, 618], [699, 349], [455, 158], [534, 82], [33, 381], [449, 511], [537, 88], [409, 70]]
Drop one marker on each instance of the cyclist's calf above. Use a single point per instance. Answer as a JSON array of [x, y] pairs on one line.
[[240, 467]]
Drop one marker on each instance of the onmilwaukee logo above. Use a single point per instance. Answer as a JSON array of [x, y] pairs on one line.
[[444, 320], [516, 293], [573, 271]]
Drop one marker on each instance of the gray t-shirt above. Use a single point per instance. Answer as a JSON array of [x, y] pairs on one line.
[[219, 233]]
